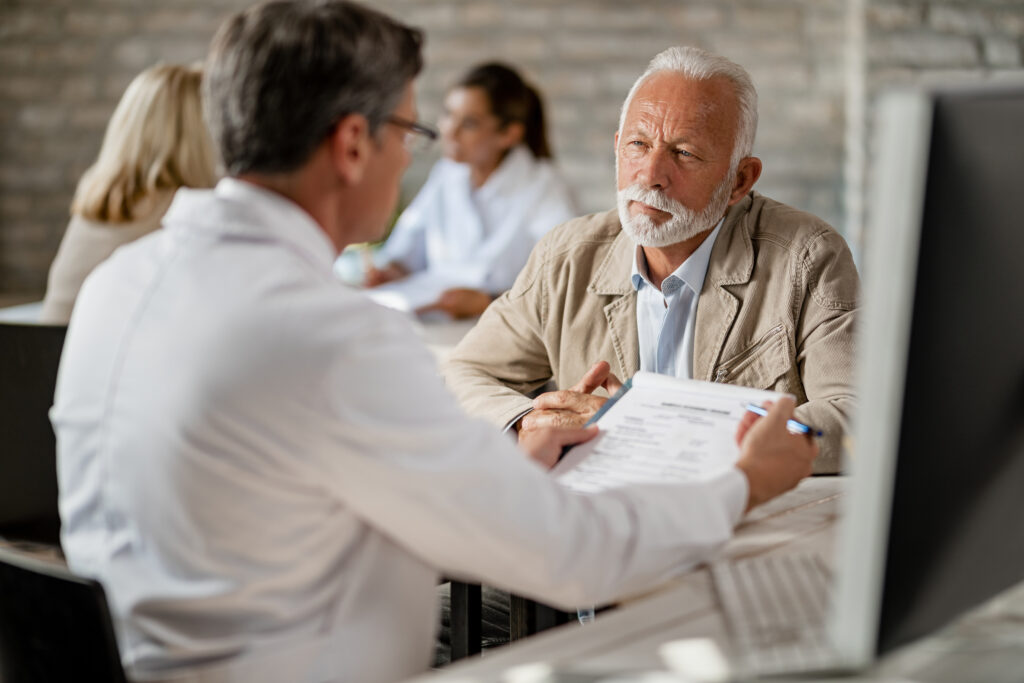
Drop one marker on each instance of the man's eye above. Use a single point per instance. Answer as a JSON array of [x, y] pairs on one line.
[[683, 153]]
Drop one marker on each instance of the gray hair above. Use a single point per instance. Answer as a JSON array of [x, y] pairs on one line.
[[280, 75], [701, 65]]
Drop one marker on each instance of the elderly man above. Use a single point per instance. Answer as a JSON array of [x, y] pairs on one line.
[[262, 466], [693, 276]]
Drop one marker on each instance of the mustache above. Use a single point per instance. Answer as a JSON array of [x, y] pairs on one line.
[[653, 198]]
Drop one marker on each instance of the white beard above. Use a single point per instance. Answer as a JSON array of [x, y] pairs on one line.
[[684, 223]]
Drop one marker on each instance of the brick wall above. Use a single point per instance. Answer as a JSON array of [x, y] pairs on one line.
[[63, 66], [934, 42], [65, 63]]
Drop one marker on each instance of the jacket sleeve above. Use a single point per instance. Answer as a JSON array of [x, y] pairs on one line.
[[505, 355], [825, 343]]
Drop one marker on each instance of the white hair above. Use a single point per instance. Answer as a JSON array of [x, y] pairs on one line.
[[700, 65]]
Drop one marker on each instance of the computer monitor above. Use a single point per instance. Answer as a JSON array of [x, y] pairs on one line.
[[29, 355], [934, 521]]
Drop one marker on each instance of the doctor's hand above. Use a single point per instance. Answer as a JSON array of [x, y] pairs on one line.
[[460, 302], [389, 273], [773, 459], [571, 407], [544, 446]]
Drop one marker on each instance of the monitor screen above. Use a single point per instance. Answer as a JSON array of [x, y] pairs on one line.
[[956, 535], [935, 517]]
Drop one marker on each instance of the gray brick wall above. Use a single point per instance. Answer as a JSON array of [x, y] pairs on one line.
[[935, 42], [64, 64]]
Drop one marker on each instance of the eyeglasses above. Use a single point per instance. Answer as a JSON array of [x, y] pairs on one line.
[[418, 136]]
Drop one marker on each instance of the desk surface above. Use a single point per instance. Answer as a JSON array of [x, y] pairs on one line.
[[21, 313], [441, 334], [626, 641]]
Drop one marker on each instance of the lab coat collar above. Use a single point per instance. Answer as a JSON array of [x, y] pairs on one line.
[[240, 210]]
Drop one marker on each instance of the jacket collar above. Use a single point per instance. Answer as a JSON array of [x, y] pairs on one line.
[[612, 276], [732, 263], [732, 258]]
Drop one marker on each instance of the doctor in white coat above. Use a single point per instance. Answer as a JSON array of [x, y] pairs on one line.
[[472, 226]]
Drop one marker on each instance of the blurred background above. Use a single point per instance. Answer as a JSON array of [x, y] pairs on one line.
[[818, 66]]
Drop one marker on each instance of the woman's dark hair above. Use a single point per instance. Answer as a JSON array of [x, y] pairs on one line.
[[512, 101]]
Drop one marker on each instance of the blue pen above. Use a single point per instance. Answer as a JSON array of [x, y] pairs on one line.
[[794, 426]]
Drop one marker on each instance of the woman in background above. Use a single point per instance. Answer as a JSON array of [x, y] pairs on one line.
[[484, 206], [156, 142]]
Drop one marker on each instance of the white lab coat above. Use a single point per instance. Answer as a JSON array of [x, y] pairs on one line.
[[267, 475], [480, 238]]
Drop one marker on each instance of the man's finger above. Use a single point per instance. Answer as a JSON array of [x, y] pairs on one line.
[[746, 422], [594, 377], [540, 419], [780, 411], [572, 401], [612, 384]]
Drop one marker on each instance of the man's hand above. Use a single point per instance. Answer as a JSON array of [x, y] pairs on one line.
[[571, 407], [389, 273], [773, 459], [460, 302], [544, 445]]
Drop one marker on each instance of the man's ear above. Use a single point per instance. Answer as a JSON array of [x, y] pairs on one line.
[[351, 147], [747, 174]]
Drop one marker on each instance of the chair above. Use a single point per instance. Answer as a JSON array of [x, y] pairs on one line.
[[526, 618], [54, 626], [29, 355], [466, 615], [529, 617]]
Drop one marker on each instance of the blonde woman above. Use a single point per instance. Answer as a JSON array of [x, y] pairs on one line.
[[156, 142]]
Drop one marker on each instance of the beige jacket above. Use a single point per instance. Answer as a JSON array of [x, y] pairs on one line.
[[776, 312]]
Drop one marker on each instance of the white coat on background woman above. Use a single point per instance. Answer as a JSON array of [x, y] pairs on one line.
[[485, 205]]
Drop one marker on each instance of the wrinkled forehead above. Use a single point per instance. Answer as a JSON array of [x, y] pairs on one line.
[[676, 100]]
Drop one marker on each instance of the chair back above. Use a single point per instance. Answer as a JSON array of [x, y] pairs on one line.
[[29, 356], [54, 626]]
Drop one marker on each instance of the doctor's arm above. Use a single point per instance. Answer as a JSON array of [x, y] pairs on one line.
[[459, 495]]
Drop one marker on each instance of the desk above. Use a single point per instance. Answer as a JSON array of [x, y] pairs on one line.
[[627, 639], [22, 313], [441, 334]]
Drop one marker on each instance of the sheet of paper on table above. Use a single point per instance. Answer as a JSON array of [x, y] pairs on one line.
[[412, 292], [662, 429]]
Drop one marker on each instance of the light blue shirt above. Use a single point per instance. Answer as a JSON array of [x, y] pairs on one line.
[[665, 317]]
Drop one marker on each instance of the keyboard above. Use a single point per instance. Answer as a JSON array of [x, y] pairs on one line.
[[775, 608]]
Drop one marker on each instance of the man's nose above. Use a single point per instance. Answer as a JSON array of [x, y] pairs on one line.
[[654, 171]]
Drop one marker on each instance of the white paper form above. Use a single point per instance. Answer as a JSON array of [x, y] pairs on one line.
[[663, 429], [412, 292]]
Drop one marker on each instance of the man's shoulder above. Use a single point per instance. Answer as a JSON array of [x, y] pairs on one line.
[[782, 232], [585, 232], [785, 225], [571, 254]]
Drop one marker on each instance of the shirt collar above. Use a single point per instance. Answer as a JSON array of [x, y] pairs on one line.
[[690, 273], [271, 215]]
